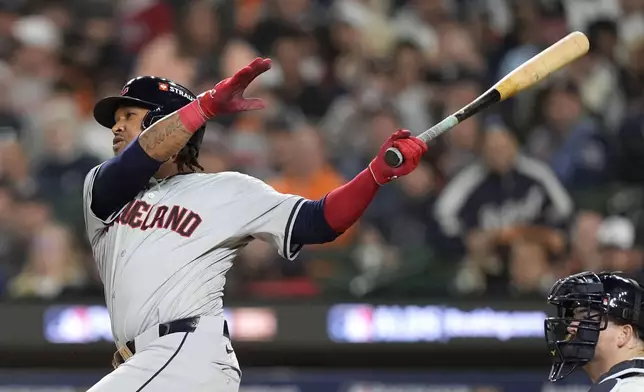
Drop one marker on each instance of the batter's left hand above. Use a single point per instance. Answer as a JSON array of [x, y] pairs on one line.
[[228, 95], [412, 149]]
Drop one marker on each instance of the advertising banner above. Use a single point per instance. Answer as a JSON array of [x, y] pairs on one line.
[[323, 324], [351, 334]]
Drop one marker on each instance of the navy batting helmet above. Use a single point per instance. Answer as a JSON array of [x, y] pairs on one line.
[[161, 96]]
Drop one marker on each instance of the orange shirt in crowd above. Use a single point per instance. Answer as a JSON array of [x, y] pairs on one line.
[[315, 188]]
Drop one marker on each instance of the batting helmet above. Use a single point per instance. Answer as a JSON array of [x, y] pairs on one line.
[[585, 302], [161, 96]]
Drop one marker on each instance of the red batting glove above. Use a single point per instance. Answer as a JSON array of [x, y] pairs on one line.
[[412, 150], [227, 96]]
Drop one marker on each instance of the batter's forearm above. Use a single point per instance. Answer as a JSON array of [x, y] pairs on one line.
[[322, 221], [168, 136], [345, 205], [165, 138]]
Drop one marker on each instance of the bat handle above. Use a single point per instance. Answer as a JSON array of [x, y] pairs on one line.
[[393, 156]]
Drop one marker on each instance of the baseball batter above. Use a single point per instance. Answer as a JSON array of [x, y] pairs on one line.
[[164, 235]]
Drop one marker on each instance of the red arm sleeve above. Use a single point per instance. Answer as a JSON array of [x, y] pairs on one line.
[[345, 205]]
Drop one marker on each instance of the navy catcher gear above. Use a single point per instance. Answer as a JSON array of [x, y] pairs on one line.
[[585, 303]]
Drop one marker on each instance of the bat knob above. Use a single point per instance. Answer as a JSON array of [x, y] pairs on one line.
[[393, 157]]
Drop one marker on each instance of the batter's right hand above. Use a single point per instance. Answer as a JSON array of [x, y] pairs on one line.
[[412, 149], [228, 95]]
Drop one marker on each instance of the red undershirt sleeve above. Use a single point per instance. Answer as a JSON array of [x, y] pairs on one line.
[[345, 205]]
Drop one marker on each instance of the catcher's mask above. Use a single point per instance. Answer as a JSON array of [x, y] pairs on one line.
[[585, 302]]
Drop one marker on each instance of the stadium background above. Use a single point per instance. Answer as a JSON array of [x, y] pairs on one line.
[[399, 303]]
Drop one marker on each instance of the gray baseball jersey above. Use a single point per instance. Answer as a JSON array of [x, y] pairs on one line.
[[164, 256]]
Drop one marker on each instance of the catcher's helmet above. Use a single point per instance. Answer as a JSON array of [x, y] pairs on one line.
[[585, 302], [161, 96]]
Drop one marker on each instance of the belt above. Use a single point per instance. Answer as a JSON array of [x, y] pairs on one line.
[[181, 325]]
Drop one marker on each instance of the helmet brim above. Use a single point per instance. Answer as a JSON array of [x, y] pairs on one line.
[[105, 109]]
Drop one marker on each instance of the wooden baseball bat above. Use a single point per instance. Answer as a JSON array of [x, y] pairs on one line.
[[557, 55]]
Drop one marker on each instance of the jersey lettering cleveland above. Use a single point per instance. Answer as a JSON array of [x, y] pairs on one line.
[[138, 214], [165, 254]]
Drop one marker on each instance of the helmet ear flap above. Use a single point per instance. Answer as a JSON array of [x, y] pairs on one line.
[[151, 117]]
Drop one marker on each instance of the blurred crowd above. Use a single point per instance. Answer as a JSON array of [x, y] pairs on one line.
[[545, 184]]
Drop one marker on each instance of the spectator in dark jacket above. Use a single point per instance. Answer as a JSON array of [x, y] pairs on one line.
[[503, 201]]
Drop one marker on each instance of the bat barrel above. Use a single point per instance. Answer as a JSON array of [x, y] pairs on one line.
[[550, 60], [561, 53]]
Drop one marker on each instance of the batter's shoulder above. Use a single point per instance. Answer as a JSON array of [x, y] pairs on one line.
[[89, 178], [92, 172], [234, 176], [231, 179], [221, 176], [246, 182]]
